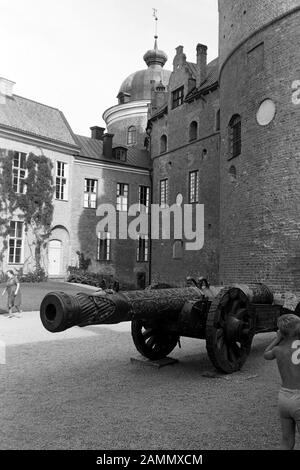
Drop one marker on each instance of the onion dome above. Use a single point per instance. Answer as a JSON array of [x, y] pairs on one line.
[[155, 56]]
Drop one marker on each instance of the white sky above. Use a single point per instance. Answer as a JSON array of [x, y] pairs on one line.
[[74, 54]]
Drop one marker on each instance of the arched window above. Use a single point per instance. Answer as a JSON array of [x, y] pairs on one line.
[[163, 143], [218, 123], [131, 135], [235, 136], [193, 130]]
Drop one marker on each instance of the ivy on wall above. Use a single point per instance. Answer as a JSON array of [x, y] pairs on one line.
[[36, 204]]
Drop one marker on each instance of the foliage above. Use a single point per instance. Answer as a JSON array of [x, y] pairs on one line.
[[83, 263], [38, 275], [36, 204], [80, 276]]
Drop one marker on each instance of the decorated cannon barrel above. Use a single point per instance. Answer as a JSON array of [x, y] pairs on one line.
[[226, 317]]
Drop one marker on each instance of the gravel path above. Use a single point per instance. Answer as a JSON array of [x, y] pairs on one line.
[[83, 393]]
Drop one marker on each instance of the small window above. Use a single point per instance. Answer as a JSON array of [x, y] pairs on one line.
[[235, 137], [122, 197], [144, 198], [142, 252], [163, 193], [193, 132], [131, 135], [218, 120], [19, 172], [120, 154], [194, 187], [177, 97], [163, 143], [61, 180], [15, 242], [103, 246], [178, 249], [90, 193], [232, 174]]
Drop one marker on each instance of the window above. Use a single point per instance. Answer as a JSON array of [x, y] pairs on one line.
[[122, 197], [131, 135], [142, 252], [193, 133], [61, 180], [178, 249], [90, 193], [235, 140], [163, 195], [177, 97], [120, 154], [232, 174], [15, 242], [163, 144], [19, 172], [218, 120], [193, 187], [103, 246], [144, 197]]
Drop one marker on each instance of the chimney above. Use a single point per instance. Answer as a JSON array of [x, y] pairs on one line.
[[180, 58], [201, 63], [6, 87], [97, 132], [107, 145]]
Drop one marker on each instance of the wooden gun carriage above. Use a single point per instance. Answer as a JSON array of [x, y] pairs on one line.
[[226, 317]]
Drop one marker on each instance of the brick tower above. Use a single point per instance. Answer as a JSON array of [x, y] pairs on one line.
[[260, 142]]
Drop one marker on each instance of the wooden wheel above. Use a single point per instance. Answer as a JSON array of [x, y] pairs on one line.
[[152, 341], [229, 330]]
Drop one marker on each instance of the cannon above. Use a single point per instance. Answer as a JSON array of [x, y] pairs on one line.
[[226, 317]]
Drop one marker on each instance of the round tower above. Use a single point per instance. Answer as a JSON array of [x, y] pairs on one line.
[[259, 59], [128, 119]]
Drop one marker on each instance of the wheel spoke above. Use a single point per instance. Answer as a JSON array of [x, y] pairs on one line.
[[147, 333]]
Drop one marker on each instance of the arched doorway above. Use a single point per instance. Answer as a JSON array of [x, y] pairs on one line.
[[54, 257]]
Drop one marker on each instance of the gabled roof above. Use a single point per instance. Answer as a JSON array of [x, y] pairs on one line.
[[192, 68], [37, 119], [93, 148]]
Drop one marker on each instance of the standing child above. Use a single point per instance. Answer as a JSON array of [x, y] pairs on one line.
[[285, 348], [13, 294]]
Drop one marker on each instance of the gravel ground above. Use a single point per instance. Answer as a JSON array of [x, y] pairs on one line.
[[33, 293], [84, 393]]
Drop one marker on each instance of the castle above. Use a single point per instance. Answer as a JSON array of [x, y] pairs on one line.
[[223, 134]]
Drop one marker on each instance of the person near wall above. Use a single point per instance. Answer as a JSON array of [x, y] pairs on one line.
[[13, 292]]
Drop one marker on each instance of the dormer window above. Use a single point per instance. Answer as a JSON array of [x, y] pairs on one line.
[[131, 135], [120, 154]]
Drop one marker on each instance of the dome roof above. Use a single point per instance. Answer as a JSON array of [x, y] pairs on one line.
[[139, 84]]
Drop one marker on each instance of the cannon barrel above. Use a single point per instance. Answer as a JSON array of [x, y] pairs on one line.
[[60, 311]]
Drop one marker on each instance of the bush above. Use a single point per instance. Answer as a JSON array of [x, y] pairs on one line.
[[80, 276], [38, 275]]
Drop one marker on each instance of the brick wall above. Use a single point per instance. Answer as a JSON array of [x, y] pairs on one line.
[[260, 223], [240, 18], [123, 265]]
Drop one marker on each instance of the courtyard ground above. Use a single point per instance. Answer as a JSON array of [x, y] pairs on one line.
[[79, 390]]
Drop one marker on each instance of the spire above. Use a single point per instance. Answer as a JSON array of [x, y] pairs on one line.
[[155, 56]]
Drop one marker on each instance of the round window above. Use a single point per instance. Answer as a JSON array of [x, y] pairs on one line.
[[266, 112], [179, 199]]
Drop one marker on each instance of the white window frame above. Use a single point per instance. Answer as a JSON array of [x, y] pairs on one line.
[[142, 251], [163, 192], [122, 197], [19, 173], [104, 237], [62, 181], [90, 193], [16, 239], [194, 187], [144, 205]]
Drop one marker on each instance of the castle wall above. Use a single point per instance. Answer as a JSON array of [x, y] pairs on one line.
[[259, 211]]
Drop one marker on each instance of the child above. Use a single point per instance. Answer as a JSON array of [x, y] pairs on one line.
[[285, 348], [13, 294]]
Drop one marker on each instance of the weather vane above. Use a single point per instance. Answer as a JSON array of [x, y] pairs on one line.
[[156, 19]]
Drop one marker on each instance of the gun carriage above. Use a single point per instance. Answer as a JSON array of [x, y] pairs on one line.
[[226, 317]]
